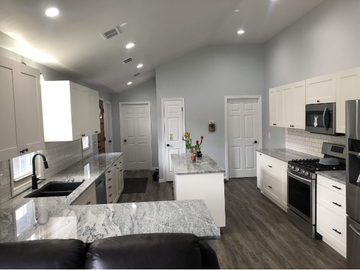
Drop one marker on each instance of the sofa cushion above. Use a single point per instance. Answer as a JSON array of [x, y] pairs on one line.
[[56, 253], [164, 250]]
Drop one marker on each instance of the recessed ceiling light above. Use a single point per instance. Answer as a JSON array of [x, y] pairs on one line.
[[236, 10], [129, 83], [130, 45], [240, 32], [52, 12], [139, 65]]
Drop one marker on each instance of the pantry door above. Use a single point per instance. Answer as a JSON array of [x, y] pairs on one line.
[[135, 135], [173, 120], [243, 136]]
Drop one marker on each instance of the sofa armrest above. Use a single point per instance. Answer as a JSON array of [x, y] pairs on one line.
[[163, 250], [56, 253], [209, 258]]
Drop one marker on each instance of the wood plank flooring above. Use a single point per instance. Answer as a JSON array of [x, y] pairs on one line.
[[257, 233]]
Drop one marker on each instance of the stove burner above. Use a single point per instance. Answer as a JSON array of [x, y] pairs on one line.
[[313, 165]]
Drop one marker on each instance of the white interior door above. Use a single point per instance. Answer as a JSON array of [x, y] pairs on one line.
[[242, 137], [174, 125], [135, 131]]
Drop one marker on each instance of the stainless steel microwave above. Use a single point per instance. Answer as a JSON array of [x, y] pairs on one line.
[[320, 118]]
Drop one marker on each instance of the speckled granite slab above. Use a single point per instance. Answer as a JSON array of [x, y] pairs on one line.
[[54, 217], [285, 154], [182, 164], [338, 176]]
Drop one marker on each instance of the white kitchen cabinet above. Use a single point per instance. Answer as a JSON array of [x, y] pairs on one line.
[[331, 213], [347, 88], [88, 197], [321, 89], [259, 168], [294, 105], [69, 111], [111, 184], [94, 111], [120, 169], [20, 110], [276, 106], [271, 174]]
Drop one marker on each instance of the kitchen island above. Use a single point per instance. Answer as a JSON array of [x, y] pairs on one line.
[[55, 218], [203, 179]]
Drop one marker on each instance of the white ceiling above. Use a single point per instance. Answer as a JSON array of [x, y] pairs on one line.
[[161, 29]]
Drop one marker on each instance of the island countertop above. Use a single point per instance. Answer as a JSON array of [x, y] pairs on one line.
[[182, 164], [54, 217]]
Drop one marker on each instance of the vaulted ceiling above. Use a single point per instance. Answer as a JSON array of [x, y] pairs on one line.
[[162, 30]]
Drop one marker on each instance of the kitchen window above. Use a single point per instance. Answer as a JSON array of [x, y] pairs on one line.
[[86, 146], [21, 171], [85, 143]]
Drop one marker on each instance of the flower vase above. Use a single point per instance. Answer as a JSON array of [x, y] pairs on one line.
[[193, 155], [198, 154]]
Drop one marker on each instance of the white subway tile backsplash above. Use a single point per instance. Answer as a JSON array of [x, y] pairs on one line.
[[310, 143], [59, 155]]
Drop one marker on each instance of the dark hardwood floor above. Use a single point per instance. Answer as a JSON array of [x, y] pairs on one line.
[[257, 233]]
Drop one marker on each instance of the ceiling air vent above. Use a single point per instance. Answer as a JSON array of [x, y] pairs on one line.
[[111, 33], [127, 60], [137, 74]]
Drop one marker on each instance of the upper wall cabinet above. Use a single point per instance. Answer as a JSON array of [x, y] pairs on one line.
[[276, 106], [69, 111], [347, 88], [321, 89], [294, 105], [20, 110]]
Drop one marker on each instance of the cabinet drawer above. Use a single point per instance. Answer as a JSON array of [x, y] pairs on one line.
[[332, 228], [88, 197], [272, 186], [331, 184], [273, 165], [332, 200]]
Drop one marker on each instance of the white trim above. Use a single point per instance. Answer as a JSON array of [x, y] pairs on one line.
[[259, 101], [163, 128], [149, 112], [110, 127]]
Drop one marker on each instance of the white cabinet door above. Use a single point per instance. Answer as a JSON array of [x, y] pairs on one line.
[[279, 107], [77, 112], [259, 169], [348, 88], [299, 105], [272, 107], [288, 106], [321, 89], [94, 111], [8, 141]]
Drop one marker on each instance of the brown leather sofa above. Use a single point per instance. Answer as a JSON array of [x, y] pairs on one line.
[[162, 250]]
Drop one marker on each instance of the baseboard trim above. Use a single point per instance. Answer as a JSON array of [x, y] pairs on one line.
[[162, 181]]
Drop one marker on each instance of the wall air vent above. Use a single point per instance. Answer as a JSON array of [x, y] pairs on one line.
[[111, 33], [137, 74], [127, 60]]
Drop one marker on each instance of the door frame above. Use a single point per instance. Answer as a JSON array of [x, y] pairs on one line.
[[163, 131], [108, 117], [259, 102], [149, 127]]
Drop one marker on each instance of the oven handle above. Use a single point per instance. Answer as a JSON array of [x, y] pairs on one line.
[[299, 177]]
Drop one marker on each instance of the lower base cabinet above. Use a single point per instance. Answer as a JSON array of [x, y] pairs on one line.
[[88, 197], [272, 179], [331, 213], [114, 181]]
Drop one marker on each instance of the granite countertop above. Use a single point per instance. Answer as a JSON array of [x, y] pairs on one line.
[[182, 164], [288, 154], [338, 176], [285, 154], [54, 217]]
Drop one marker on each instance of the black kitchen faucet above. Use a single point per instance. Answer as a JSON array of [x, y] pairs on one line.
[[34, 178]]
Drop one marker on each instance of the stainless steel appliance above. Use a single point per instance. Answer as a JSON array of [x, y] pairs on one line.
[[353, 183], [320, 118], [302, 185], [100, 189]]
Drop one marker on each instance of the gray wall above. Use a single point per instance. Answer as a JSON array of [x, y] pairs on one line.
[[140, 93], [325, 40], [204, 78]]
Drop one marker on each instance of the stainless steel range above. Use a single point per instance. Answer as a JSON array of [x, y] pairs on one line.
[[302, 185]]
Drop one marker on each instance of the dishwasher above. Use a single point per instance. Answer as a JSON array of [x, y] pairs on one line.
[[100, 189]]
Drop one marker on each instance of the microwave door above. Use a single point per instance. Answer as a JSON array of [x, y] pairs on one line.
[[326, 118]]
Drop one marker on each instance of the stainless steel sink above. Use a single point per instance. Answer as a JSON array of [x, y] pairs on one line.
[[54, 189]]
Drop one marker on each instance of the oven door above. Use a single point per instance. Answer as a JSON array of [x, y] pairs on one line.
[[301, 197], [320, 118]]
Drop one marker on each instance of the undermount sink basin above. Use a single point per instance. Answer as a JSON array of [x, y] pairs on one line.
[[54, 189]]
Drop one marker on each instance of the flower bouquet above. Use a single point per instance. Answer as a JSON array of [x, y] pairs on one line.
[[193, 148]]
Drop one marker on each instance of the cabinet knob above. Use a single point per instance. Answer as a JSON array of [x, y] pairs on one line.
[[96, 132], [318, 101], [83, 135], [274, 124], [269, 166], [24, 151], [255, 141]]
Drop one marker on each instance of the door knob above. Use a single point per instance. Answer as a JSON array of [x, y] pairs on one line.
[[125, 140], [168, 145], [255, 141]]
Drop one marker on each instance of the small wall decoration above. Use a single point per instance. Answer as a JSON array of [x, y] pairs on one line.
[[211, 126], [171, 137]]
